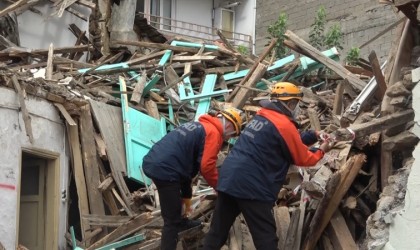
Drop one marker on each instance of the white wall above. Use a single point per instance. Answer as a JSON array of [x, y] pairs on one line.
[[37, 32], [404, 230], [49, 134], [187, 11]]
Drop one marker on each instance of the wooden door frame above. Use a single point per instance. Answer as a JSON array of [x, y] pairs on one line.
[[52, 194]]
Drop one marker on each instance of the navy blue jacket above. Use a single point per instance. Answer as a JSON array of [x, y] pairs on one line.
[[258, 163], [190, 148]]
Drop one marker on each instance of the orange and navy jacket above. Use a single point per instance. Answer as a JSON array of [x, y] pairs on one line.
[[257, 165], [190, 148]]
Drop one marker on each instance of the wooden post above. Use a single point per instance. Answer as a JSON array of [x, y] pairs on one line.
[[25, 112], [243, 93], [90, 163], [338, 100], [49, 70], [330, 63], [379, 77], [336, 188]]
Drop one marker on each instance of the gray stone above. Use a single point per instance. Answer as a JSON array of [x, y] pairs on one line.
[[376, 215]]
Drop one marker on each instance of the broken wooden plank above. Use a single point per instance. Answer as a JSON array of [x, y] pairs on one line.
[[331, 64], [109, 120], [337, 187], [254, 67], [65, 114], [339, 233], [25, 112], [124, 230], [282, 217], [79, 176], [302, 207], [44, 52], [291, 232], [49, 70], [159, 46], [15, 6], [383, 123], [106, 220], [138, 89], [100, 146], [152, 109], [243, 94], [193, 58], [90, 163], [338, 99], [380, 80]]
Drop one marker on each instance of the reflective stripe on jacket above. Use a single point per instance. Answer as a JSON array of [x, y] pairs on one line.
[[257, 165], [190, 148]]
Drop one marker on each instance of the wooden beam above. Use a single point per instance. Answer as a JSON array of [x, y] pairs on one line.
[[106, 220], [25, 112], [152, 109], [254, 67], [65, 114], [243, 93], [383, 123], [106, 184], [14, 6], [313, 117], [49, 70], [90, 163], [291, 232], [338, 99], [302, 206], [138, 88], [330, 63], [193, 58], [282, 217], [339, 233], [379, 77], [337, 187], [44, 52], [79, 176], [158, 46]]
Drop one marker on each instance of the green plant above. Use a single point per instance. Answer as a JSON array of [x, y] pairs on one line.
[[353, 56], [316, 35], [242, 49], [334, 37], [277, 30]]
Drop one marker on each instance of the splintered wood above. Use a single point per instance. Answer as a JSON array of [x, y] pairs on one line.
[[176, 81]]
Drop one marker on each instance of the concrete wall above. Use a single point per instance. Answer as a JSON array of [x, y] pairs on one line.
[[360, 21], [193, 11], [405, 227], [49, 134]]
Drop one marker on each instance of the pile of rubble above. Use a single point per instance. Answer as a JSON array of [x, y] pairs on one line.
[[116, 106]]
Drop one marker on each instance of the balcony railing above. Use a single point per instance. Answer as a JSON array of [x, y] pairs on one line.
[[173, 27]]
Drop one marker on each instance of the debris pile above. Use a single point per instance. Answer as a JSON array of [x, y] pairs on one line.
[[162, 85]]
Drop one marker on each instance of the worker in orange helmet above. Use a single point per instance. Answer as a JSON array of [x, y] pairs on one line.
[[177, 158], [254, 171]]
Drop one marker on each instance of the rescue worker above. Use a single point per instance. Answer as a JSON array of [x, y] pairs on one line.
[[177, 158], [252, 174]]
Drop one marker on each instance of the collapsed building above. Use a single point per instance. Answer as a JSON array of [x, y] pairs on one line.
[[78, 120]]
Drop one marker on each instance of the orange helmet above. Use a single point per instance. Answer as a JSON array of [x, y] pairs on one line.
[[234, 116], [285, 91]]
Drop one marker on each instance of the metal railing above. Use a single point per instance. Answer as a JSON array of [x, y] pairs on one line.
[[173, 27]]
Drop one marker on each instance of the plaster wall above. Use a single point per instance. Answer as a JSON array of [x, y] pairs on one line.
[[49, 134], [405, 227], [360, 21]]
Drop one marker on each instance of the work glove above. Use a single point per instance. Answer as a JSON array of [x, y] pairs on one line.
[[186, 207]]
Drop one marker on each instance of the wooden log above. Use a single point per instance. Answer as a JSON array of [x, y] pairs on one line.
[[25, 112], [132, 226], [330, 63], [379, 77], [339, 233], [243, 94], [336, 189]]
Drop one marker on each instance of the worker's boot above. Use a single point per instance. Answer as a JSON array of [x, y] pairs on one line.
[[188, 224]]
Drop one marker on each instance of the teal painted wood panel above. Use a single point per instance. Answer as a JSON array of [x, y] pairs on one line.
[[141, 131], [204, 104]]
